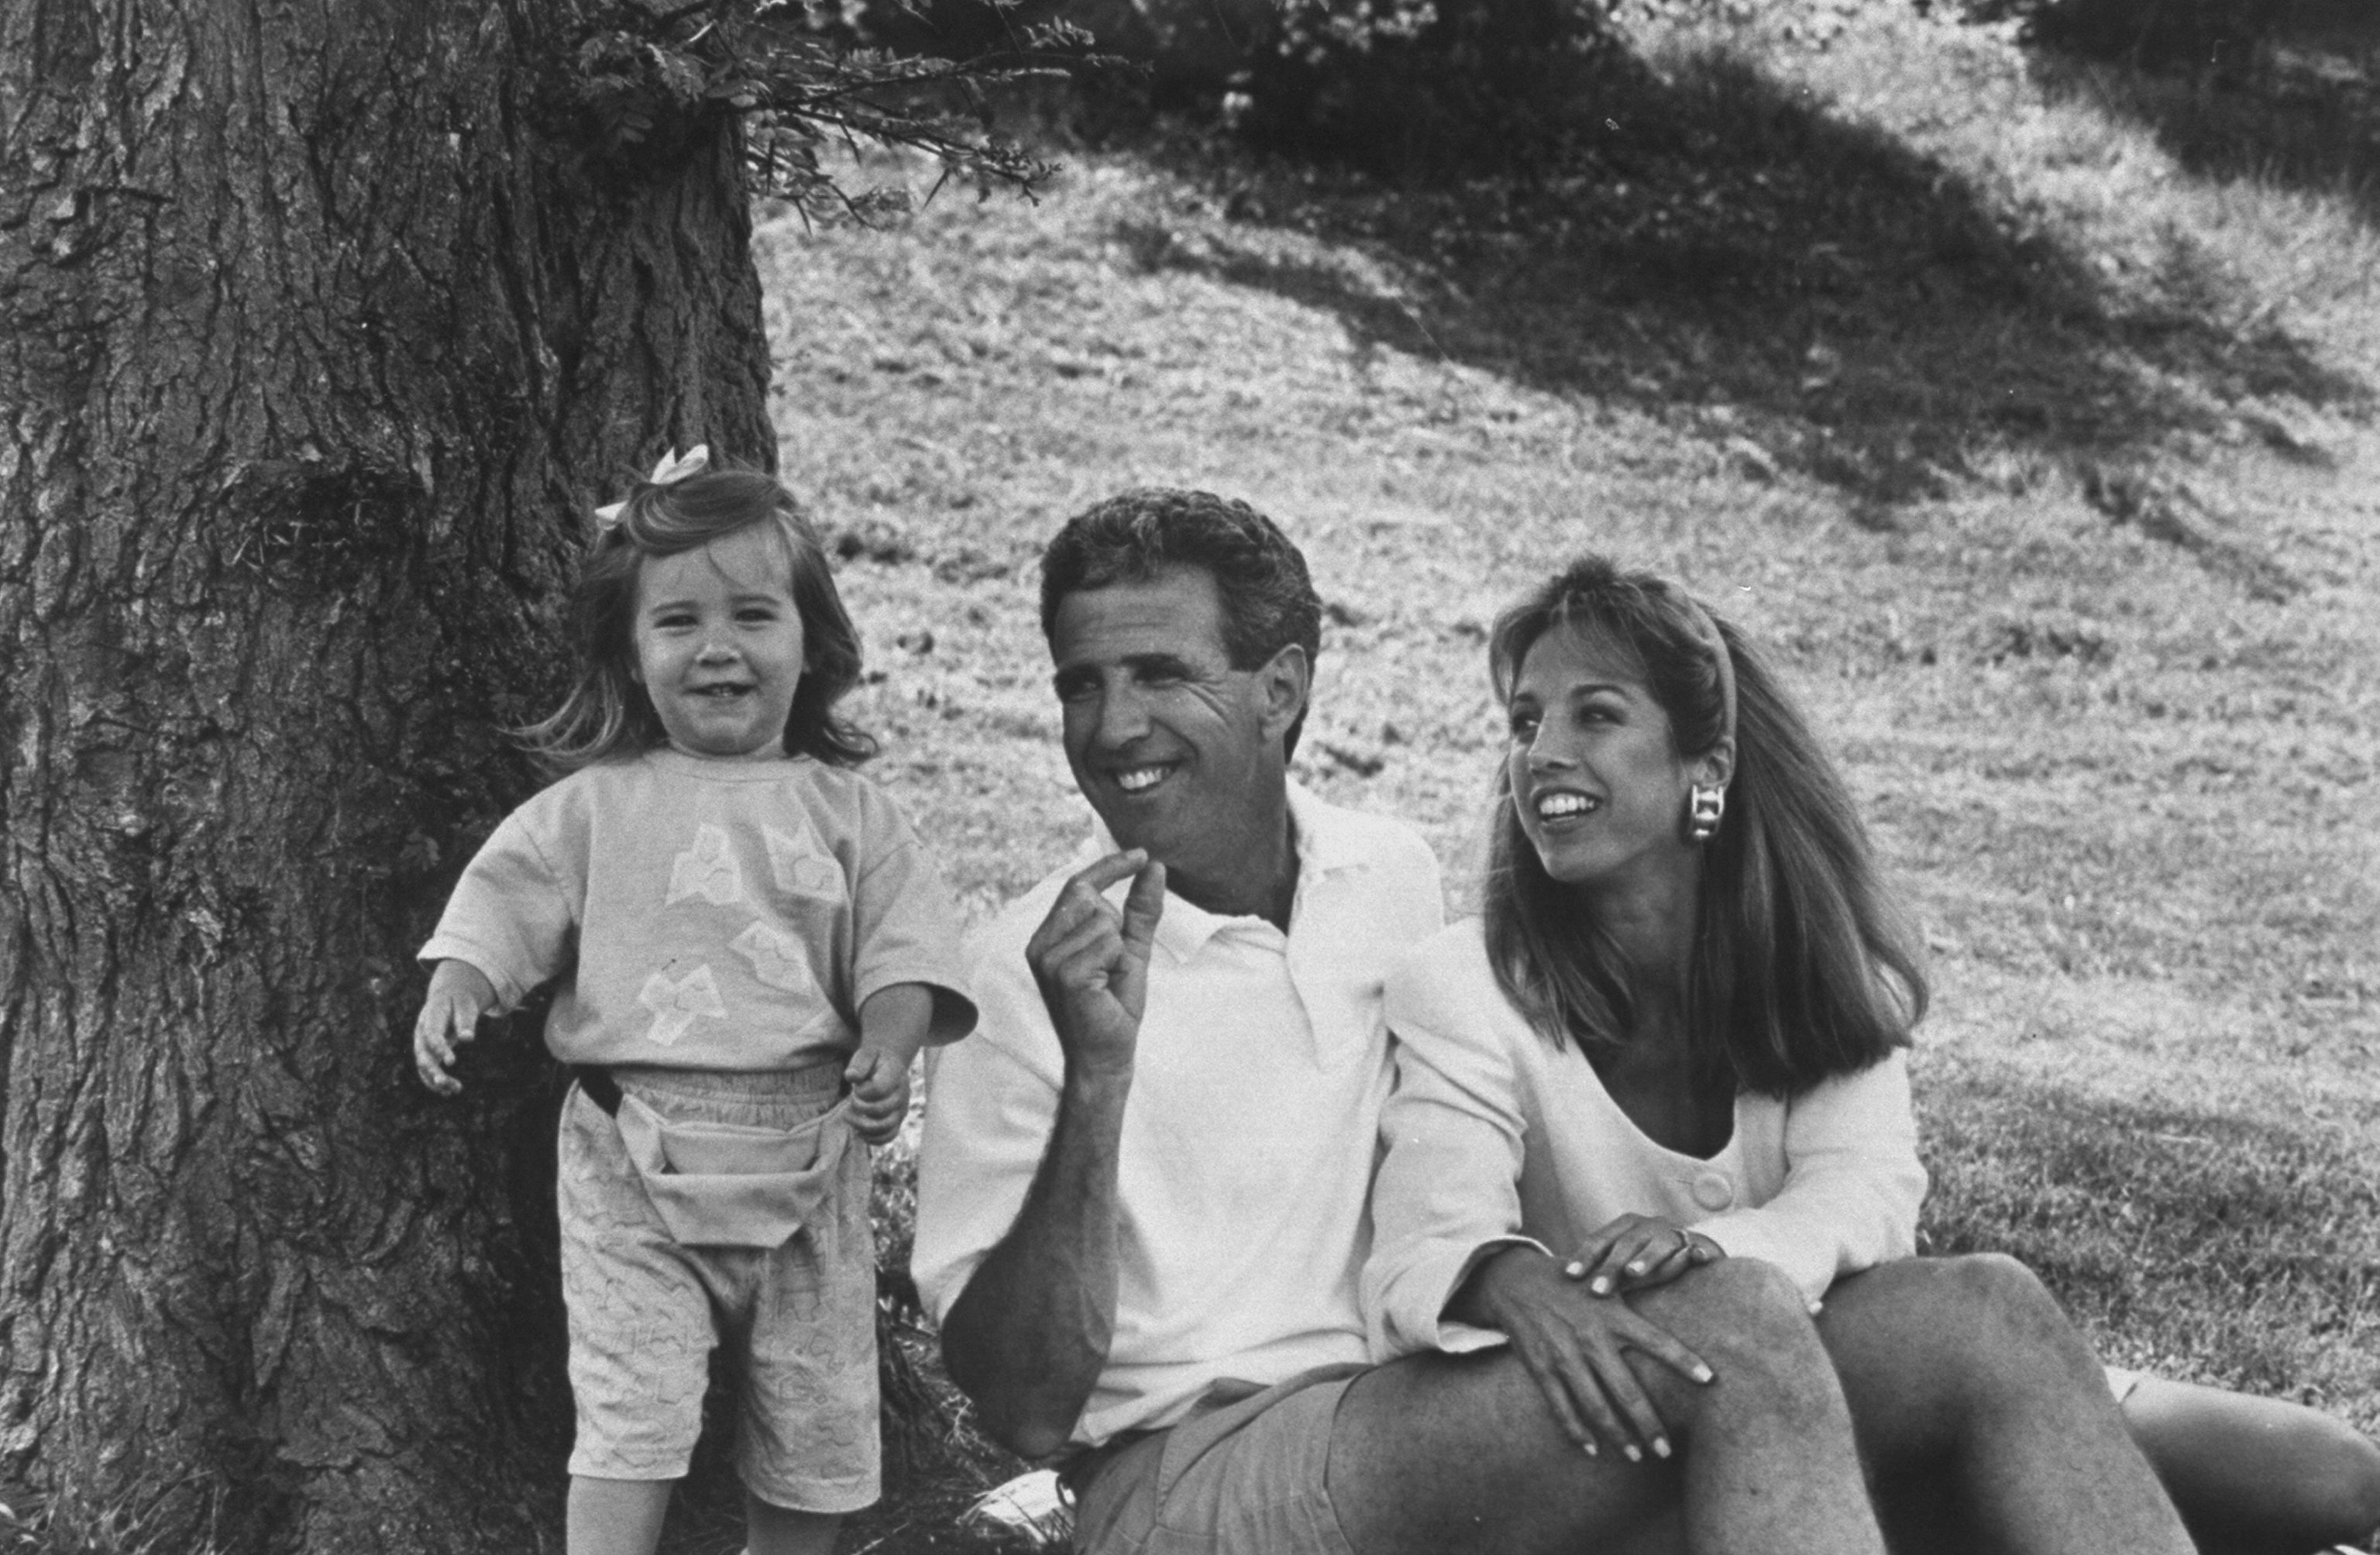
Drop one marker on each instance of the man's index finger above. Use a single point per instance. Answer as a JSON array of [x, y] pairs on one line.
[[1146, 904], [1108, 870]]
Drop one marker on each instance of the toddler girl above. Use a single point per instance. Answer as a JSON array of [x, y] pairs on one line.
[[742, 926]]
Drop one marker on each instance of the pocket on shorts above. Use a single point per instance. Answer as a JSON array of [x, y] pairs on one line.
[[749, 1187], [597, 1185], [1248, 1475]]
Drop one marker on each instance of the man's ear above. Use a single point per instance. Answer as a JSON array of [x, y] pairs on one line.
[[1717, 765], [1286, 679]]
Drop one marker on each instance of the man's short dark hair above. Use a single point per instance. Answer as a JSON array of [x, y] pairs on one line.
[[1268, 599]]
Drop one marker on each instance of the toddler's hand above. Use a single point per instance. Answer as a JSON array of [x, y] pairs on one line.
[[459, 995], [880, 1094]]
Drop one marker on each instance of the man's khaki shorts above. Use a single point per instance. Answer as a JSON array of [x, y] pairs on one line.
[[798, 1321], [1245, 1478]]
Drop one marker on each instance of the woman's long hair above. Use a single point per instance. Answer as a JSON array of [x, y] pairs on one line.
[[607, 713], [1803, 967]]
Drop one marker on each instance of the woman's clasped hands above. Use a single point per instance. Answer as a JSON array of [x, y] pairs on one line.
[[1562, 1320]]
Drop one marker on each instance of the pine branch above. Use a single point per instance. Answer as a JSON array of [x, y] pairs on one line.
[[800, 76]]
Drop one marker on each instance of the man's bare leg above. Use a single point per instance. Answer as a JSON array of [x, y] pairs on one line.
[[1433, 1454], [1985, 1419]]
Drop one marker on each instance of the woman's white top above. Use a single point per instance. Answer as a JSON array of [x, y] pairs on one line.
[[1495, 1135]]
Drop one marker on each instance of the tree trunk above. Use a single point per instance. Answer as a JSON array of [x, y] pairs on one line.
[[321, 328]]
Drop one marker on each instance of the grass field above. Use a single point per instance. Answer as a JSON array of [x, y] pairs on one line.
[[2033, 428]]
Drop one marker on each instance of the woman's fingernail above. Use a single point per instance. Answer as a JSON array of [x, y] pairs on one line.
[[1660, 1447], [1702, 1374], [1817, 1308], [1573, 1269], [1635, 1455], [1589, 1445], [1602, 1285], [1636, 1268]]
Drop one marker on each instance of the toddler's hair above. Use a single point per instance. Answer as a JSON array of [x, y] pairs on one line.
[[607, 713]]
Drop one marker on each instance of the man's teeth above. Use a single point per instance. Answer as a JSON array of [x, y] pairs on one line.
[[1553, 807], [1139, 778]]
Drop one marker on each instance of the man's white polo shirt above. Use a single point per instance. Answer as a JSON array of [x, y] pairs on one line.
[[1249, 1136]]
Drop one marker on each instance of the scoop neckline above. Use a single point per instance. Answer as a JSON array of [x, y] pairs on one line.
[[1611, 1102]]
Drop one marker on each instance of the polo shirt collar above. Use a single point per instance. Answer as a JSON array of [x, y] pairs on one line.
[[1324, 847]]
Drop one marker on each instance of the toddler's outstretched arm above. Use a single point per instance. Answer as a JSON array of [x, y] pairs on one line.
[[459, 995], [892, 1026]]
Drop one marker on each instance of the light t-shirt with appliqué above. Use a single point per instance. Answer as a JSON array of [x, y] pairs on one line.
[[706, 913]]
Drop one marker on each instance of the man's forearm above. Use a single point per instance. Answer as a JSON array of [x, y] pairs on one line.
[[1029, 1335]]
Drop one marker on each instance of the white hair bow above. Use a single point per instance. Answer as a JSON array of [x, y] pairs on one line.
[[673, 468]]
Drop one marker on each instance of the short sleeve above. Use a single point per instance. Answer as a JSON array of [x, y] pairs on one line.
[[514, 915], [992, 1103], [906, 925]]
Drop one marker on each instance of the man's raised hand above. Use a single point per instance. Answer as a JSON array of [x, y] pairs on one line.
[[1091, 962]]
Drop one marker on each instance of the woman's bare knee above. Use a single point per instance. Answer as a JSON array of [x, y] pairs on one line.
[[1993, 1304], [1927, 1347], [2006, 1307], [1996, 1282]]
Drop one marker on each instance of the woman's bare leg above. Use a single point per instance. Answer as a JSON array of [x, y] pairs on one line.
[[1984, 1418], [2257, 1476]]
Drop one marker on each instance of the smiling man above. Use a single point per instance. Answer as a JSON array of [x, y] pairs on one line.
[[1142, 1191], [1099, 1275], [1182, 710]]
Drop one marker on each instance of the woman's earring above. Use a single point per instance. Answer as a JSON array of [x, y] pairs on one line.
[[1706, 802]]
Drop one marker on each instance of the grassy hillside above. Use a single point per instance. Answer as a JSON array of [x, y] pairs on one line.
[[2025, 409]]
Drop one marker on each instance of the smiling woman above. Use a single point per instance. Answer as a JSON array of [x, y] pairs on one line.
[[1704, 867], [1675, 1041], [1596, 778]]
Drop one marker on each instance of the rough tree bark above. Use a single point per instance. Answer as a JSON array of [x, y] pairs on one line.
[[319, 330]]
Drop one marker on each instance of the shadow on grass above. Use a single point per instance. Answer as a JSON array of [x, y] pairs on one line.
[[2237, 1252], [1834, 301], [2301, 110]]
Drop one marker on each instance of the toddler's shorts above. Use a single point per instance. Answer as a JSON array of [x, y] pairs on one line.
[[799, 1320]]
